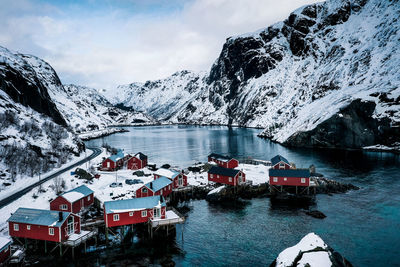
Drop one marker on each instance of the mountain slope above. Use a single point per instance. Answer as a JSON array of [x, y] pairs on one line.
[[82, 107], [327, 76]]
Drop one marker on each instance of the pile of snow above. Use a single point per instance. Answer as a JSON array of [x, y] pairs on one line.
[[216, 190]]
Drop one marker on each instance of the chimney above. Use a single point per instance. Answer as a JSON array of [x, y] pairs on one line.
[[151, 185], [60, 216]]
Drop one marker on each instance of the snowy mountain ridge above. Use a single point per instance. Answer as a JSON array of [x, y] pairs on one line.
[[327, 76]]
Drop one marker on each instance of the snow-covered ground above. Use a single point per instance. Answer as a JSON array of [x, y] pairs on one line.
[[99, 133]]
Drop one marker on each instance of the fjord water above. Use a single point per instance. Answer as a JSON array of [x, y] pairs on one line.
[[363, 225]]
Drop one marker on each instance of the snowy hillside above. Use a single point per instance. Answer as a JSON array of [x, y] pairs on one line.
[[33, 136], [327, 76], [82, 107]]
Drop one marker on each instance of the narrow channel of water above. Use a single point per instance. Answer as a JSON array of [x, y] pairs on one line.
[[363, 225]]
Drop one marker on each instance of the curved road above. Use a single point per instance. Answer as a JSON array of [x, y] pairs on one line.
[[16, 195]]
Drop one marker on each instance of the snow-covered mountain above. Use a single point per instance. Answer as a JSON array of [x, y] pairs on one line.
[[82, 107], [33, 133], [326, 76]]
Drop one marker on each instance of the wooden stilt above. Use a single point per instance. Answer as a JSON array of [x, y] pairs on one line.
[[60, 250], [73, 254], [45, 247], [85, 246], [26, 243], [296, 190], [106, 235]]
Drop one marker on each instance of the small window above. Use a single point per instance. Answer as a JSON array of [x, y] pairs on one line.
[[217, 176], [230, 179], [285, 179], [211, 176], [303, 180], [63, 207], [116, 217], [51, 231], [275, 179], [144, 190], [144, 213], [131, 213], [28, 227], [88, 198], [16, 227]]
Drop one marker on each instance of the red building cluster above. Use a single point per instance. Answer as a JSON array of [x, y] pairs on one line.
[[120, 160]]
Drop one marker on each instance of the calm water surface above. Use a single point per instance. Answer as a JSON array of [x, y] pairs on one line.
[[363, 225]]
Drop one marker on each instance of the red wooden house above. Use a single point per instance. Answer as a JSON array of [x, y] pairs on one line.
[[5, 250], [223, 161], [161, 186], [138, 161], [226, 176], [134, 210], [179, 179], [114, 162], [279, 162], [47, 225], [74, 200], [289, 177]]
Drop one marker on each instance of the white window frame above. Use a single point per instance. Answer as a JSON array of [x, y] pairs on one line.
[[144, 213], [230, 179], [281, 165], [88, 198], [16, 227], [116, 217], [51, 231], [145, 190], [211, 175], [130, 213], [28, 227], [217, 176], [108, 164], [63, 207], [275, 179], [303, 180], [285, 179]]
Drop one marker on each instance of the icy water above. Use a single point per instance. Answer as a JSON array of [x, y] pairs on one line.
[[363, 225]]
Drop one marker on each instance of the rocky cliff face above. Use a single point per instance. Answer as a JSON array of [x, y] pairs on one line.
[[296, 77]]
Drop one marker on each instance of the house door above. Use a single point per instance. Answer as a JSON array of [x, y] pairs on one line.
[[156, 213], [180, 180], [70, 225]]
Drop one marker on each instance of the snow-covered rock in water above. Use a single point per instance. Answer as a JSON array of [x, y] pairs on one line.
[[327, 76], [311, 251]]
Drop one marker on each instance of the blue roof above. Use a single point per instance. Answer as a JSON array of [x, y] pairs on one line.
[[38, 217], [83, 189], [158, 183], [277, 159], [223, 171], [305, 173], [117, 156], [132, 204]]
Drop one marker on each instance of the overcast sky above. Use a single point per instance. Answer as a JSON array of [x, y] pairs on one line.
[[106, 43]]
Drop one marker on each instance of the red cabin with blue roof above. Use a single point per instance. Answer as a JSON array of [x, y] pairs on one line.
[[114, 162], [47, 225], [226, 176], [161, 186], [223, 161], [5, 249], [75, 200], [279, 162], [179, 179], [289, 177], [134, 210]]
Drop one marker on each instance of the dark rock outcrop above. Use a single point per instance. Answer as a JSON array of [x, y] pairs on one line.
[[353, 127]]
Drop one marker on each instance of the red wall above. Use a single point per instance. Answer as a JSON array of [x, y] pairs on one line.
[[41, 232], [175, 182], [276, 166], [5, 254], [76, 206], [125, 219], [232, 163], [293, 181], [225, 179], [112, 164], [165, 192], [135, 164]]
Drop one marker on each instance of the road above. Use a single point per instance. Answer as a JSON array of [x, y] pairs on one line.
[[16, 195]]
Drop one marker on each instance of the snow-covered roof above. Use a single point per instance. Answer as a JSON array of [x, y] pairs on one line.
[[38, 217], [4, 243], [72, 196], [167, 173], [77, 193], [158, 184], [220, 157], [133, 204]]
